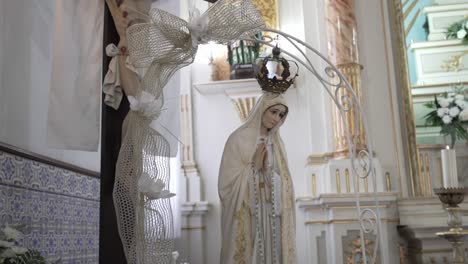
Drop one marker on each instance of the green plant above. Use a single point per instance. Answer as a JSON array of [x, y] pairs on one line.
[[30, 257], [459, 30]]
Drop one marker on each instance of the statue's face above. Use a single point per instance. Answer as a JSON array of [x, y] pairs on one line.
[[273, 115]]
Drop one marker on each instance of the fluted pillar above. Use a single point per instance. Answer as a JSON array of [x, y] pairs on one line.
[[193, 208], [343, 52], [244, 99], [244, 106]]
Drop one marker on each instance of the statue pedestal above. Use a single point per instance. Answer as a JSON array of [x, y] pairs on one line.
[[329, 224]]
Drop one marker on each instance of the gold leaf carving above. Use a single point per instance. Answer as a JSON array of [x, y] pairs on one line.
[[455, 63], [268, 10], [356, 256]]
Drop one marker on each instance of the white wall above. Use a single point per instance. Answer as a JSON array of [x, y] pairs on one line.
[[26, 44], [214, 119], [170, 6]]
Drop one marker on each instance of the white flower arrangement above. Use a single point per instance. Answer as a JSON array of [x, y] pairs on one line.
[[11, 253], [450, 113], [459, 30], [153, 189]]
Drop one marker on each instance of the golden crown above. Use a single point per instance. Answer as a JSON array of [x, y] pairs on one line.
[[279, 80]]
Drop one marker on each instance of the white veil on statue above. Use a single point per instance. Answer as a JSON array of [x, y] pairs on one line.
[[238, 215]]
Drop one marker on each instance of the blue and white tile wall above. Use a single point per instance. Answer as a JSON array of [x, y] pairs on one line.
[[60, 208]]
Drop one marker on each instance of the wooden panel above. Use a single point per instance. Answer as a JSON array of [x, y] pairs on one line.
[[110, 246]]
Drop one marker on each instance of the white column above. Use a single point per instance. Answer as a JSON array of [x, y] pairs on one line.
[[193, 229], [193, 209]]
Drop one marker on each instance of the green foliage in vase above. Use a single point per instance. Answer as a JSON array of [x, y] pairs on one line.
[[458, 30], [450, 113]]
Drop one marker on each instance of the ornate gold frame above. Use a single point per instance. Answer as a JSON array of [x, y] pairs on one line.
[[404, 96]]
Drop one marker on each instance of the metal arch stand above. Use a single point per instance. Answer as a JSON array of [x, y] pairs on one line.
[[333, 81]]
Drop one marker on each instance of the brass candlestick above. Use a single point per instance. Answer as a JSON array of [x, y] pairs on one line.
[[451, 198]]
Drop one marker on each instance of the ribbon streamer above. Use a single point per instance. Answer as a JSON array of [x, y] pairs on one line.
[[161, 46]]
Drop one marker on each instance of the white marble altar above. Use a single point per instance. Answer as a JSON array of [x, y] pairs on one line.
[[439, 62]]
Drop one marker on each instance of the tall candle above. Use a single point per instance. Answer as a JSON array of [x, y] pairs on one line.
[[449, 168]]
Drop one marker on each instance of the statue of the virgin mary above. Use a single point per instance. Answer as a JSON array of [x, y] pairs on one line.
[[256, 191]]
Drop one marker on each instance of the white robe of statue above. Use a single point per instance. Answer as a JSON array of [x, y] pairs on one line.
[[246, 195]]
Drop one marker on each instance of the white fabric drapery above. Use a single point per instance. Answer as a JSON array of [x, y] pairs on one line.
[[75, 89]]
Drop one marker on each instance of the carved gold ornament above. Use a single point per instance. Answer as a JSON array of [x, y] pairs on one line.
[[356, 256], [455, 63]]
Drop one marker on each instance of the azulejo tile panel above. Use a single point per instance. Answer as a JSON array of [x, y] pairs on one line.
[[60, 208]]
